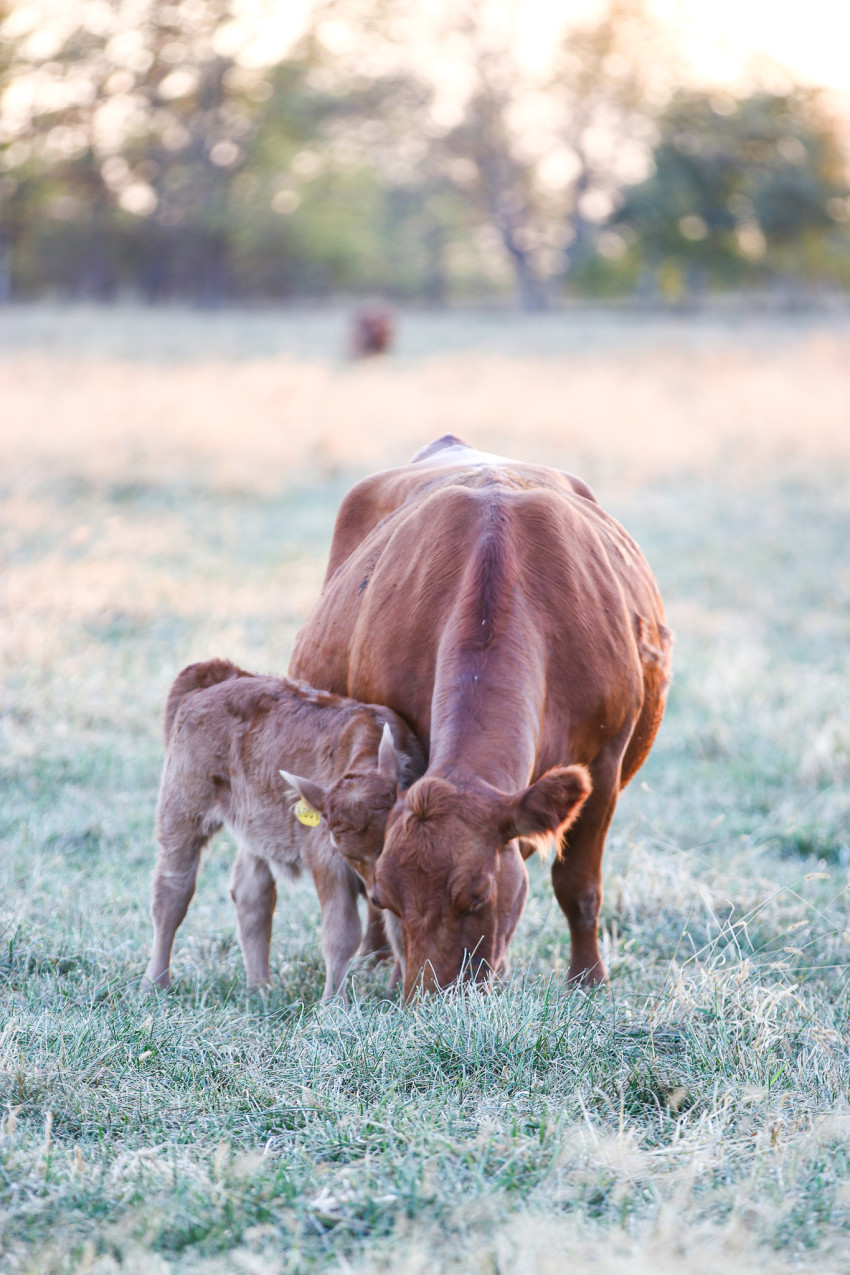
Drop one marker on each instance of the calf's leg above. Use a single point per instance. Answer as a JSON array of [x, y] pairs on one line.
[[174, 880], [253, 890], [338, 890], [392, 926]]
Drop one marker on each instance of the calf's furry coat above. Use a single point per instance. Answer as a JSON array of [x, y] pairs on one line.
[[228, 735]]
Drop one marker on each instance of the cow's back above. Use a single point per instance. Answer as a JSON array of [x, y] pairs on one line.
[[408, 550], [383, 496]]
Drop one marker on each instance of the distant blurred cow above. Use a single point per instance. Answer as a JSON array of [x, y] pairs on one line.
[[228, 735], [372, 331]]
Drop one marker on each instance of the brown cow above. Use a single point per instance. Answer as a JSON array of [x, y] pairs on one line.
[[372, 331], [228, 733], [518, 629]]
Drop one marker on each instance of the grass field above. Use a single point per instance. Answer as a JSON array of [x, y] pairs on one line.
[[168, 486]]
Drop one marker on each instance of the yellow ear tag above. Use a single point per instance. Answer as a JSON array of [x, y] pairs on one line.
[[306, 814]]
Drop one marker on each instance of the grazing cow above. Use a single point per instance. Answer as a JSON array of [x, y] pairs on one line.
[[372, 331], [228, 734], [519, 631]]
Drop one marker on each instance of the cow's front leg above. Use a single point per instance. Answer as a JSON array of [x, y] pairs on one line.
[[338, 889], [253, 890], [577, 873]]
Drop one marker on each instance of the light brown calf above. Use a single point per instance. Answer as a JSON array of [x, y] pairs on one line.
[[228, 736]]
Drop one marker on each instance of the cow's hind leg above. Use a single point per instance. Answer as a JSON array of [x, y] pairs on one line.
[[174, 880], [577, 873], [254, 893]]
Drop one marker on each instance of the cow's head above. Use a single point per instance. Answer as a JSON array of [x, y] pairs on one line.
[[356, 807], [452, 872]]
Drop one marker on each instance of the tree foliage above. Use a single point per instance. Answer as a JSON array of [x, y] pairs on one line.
[[145, 146], [739, 183]]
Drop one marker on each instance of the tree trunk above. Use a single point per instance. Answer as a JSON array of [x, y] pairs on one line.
[[530, 291], [434, 286]]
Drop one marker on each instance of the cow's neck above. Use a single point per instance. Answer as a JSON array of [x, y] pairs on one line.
[[486, 715]]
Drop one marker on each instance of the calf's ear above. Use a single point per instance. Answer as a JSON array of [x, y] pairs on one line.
[[547, 807], [312, 793], [389, 762]]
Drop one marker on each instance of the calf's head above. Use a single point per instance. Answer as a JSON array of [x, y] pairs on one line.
[[356, 807], [452, 872]]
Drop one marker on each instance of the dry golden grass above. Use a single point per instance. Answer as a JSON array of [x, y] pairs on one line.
[[627, 414]]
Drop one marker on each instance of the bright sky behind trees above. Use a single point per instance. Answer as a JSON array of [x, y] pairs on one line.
[[722, 40]]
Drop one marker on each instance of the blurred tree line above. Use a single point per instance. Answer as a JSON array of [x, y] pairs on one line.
[[162, 149]]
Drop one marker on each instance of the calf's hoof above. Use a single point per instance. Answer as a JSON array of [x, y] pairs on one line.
[[149, 985], [258, 985]]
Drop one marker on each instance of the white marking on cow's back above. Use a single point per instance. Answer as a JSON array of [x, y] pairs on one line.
[[465, 455]]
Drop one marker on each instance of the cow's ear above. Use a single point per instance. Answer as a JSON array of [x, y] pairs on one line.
[[547, 807], [313, 794], [389, 762]]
